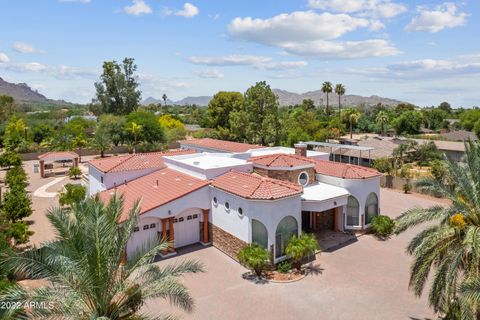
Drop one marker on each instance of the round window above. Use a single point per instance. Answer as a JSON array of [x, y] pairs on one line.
[[227, 205], [240, 211], [303, 178]]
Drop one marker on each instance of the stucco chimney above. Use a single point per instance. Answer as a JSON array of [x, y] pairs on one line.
[[300, 149]]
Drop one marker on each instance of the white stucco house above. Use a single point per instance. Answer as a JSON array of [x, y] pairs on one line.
[[230, 194]]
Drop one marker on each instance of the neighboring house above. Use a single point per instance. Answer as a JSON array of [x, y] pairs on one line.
[[86, 117], [243, 195]]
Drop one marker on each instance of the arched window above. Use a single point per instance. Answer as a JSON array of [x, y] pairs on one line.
[[353, 216], [259, 233], [371, 207], [287, 228]]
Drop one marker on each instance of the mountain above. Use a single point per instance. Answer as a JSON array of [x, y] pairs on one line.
[[152, 100], [286, 98], [22, 93], [199, 101]]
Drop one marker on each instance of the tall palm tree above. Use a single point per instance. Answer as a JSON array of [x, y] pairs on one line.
[[327, 88], [352, 118], [88, 277], [449, 248], [382, 119], [340, 91], [135, 129], [164, 97]]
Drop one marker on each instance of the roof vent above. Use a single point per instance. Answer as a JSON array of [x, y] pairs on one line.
[[197, 163]]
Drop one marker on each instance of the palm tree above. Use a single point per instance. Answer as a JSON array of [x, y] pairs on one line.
[[382, 119], [340, 90], [164, 97], [327, 88], [87, 273], [450, 248], [352, 117], [298, 248], [135, 129]]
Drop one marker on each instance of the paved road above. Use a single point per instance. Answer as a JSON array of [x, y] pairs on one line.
[[364, 280]]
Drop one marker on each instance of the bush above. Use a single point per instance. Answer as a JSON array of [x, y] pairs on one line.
[[298, 248], [284, 266], [407, 187], [73, 193], [254, 257], [382, 226], [74, 172], [16, 177], [10, 159]]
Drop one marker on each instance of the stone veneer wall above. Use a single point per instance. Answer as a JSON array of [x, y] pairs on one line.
[[326, 220], [226, 242], [286, 175]]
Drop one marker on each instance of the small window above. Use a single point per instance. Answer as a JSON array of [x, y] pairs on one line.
[[181, 219], [136, 229], [145, 227], [240, 211], [152, 225], [303, 178], [175, 220], [215, 201], [195, 216], [189, 217], [227, 206], [101, 179]]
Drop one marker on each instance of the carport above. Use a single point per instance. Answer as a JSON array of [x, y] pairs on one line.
[[48, 160]]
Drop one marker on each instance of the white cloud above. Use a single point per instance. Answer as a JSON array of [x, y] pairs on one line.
[[443, 16], [312, 34], [4, 58], [62, 72], [189, 11], [258, 62], [378, 8], [26, 67], [23, 47], [209, 74], [138, 8]]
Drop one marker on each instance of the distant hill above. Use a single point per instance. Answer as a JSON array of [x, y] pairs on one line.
[[286, 98], [22, 93], [152, 100]]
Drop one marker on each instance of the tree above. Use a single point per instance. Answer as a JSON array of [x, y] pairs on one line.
[[7, 107], [10, 159], [408, 122], [150, 130], [382, 119], [340, 91], [135, 129], [102, 141], [352, 116], [327, 89], [383, 165], [100, 284], [308, 105], [16, 177], [261, 107], [114, 126], [164, 97], [445, 106], [80, 142], [254, 257], [298, 248], [221, 106], [117, 89], [448, 245], [14, 133], [16, 204], [73, 193], [175, 129], [74, 172]]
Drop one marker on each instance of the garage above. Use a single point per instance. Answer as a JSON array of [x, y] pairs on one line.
[[187, 227]]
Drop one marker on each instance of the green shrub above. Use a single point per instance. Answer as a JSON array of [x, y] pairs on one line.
[[10, 159], [298, 248], [73, 193], [284, 266], [74, 172], [407, 187], [254, 257], [382, 226], [16, 177]]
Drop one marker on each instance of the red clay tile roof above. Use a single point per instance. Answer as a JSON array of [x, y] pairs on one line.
[[345, 170], [172, 185], [220, 145], [251, 186], [137, 161], [58, 155], [282, 160]]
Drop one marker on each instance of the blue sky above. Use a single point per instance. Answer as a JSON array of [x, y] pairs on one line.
[[421, 51]]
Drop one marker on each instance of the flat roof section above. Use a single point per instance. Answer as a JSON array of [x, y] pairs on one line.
[[322, 191]]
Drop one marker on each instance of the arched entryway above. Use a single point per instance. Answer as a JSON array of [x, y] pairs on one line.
[[353, 212], [259, 233], [286, 228], [371, 207]]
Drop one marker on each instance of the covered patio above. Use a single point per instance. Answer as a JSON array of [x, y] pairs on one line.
[[57, 163]]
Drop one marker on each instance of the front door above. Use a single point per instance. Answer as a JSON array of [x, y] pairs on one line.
[[306, 225]]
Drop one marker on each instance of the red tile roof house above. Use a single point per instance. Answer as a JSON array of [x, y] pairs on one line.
[[234, 195]]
